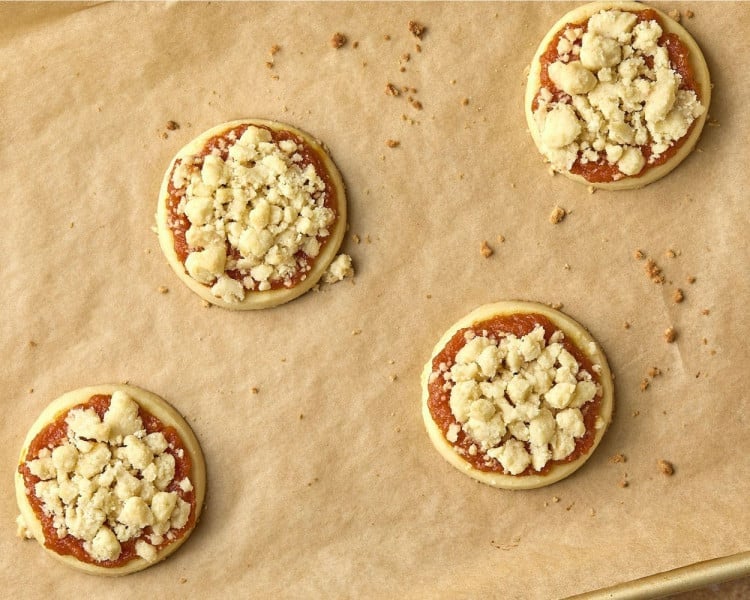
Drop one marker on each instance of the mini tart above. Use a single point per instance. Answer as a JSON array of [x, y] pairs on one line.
[[231, 208], [631, 173], [181, 496], [578, 420]]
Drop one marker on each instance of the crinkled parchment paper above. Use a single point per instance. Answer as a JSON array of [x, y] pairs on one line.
[[324, 483]]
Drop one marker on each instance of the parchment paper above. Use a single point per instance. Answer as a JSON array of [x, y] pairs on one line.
[[324, 483]]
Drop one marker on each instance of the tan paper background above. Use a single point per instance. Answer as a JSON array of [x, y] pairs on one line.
[[351, 500]]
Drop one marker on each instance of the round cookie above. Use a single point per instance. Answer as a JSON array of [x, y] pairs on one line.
[[251, 213], [489, 401], [560, 154], [97, 461]]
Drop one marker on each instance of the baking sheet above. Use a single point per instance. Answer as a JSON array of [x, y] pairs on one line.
[[324, 484]]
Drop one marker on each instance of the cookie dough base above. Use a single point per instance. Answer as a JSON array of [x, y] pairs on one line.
[[574, 332], [160, 409], [700, 70], [254, 299]]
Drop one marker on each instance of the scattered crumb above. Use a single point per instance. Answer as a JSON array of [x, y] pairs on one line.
[[406, 57], [393, 377], [355, 238], [183, 579], [274, 50], [654, 372], [678, 296], [356, 331], [705, 311], [391, 362], [571, 505], [391, 90], [638, 254], [644, 384], [163, 289], [626, 325], [428, 296], [464, 102], [592, 189], [32, 344], [269, 64], [417, 47], [689, 14], [670, 253], [355, 44], [675, 14], [31, 390], [164, 135], [555, 499], [618, 458], [387, 37], [670, 335], [654, 271], [392, 143], [254, 390], [592, 512], [301, 416], [338, 40], [556, 305], [172, 125], [417, 29], [416, 104], [558, 214], [501, 239], [485, 250], [623, 483], [635, 413], [666, 467], [691, 279], [205, 304]]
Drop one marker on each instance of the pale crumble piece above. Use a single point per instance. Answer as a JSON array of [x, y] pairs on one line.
[[416, 104], [555, 499], [417, 47], [618, 458], [666, 467], [205, 304], [626, 325], [654, 372], [551, 171], [591, 189], [654, 271], [163, 289], [183, 579], [691, 279], [705, 312], [671, 253], [670, 335], [638, 254], [392, 143], [406, 57], [689, 14], [274, 50], [417, 29], [172, 125], [355, 44], [501, 239], [393, 377], [338, 40], [485, 249], [623, 483], [387, 37], [164, 135], [635, 413], [555, 305], [464, 102], [355, 238], [339, 269], [391, 90], [644, 384], [356, 331], [254, 390], [558, 214], [678, 296], [269, 64], [674, 14], [32, 344]]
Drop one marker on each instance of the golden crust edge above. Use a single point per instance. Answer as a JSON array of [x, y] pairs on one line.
[[697, 60], [254, 300], [570, 328], [159, 408]]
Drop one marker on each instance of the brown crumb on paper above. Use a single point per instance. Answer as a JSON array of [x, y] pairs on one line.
[[269, 64], [675, 14], [417, 29], [705, 312], [163, 289], [501, 239], [274, 50], [254, 390], [391, 90], [464, 102], [172, 125], [558, 214], [644, 384], [689, 14], [654, 271], [678, 296], [638, 254], [671, 253], [626, 325], [338, 40], [623, 483], [654, 372], [205, 304], [666, 467], [670, 335], [416, 104], [691, 279], [183, 579], [387, 37], [618, 458], [485, 249], [392, 143]]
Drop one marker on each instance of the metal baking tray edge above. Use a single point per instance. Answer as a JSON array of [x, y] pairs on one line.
[[682, 579]]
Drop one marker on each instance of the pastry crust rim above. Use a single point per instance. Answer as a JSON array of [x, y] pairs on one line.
[[254, 299], [573, 330], [156, 406], [696, 59]]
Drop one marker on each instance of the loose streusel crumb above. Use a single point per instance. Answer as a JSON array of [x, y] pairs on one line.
[[464, 102], [626, 325], [205, 304], [172, 125], [355, 44], [678, 296], [618, 458], [274, 50], [654, 271], [558, 214], [555, 305], [355, 238], [638, 254], [689, 14], [391, 90], [392, 143], [654, 372], [417, 48], [356, 331], [416, 104], [670, 335], [269, 64], [393, 377], [644, 384], [592, 189], [183, 579], [691, 279], [485, 249], [666, 467], [675, 14], [338, 40], [163, 289], [705, 311], [670, 253], [387, 37], [501, 239], [254, 390], [555, 499], [417, 29], [635, 413], [623, 483]]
